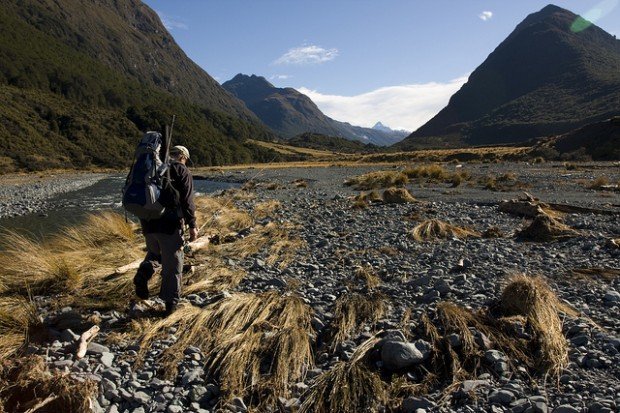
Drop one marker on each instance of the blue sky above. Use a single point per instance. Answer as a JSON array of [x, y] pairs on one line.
[[361, 61]]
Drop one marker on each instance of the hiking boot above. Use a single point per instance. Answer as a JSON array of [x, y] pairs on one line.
[[142, 288], [170, 308]]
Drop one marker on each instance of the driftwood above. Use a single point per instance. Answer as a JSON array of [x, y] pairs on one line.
[[85, 338], [199, 244], [531, 207]]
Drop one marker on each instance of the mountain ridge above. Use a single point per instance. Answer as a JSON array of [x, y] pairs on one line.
[[544, 78], [290, 113]]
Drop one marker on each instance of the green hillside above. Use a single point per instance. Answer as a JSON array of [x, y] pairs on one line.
[[62, 107]]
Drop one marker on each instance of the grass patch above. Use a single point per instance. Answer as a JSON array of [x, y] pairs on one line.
[[27, 386], [397, 196], [377, 180], [348, 387], [545, 228], [353, 311], [532, 298], [18, 318], [435, 229], [255, 344]]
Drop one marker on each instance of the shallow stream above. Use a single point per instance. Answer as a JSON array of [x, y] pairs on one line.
[[70, 208]]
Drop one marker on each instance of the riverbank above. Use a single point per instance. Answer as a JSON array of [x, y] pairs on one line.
[[353, 269]]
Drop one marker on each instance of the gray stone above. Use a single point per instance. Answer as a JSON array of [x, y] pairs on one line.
[[501, 397], [612, 296], [398, 356], [412, 404], [141, 397], [107, 359], [174, 409], [565, 408], [191, 376], [196, 393], [96, 348]]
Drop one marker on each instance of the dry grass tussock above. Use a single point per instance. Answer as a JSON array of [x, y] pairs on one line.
[[437, 173], [17, 318], [256, 344], [435, 229], [212, 275], [94, 247], [364, 199], [26, 385], [353, 311], [279, 240], [599, 183], [397, 196], [378, 179], [545, 228], [527, 305], [219, 215], [532, 298], [266, 209], [348, 387], [368, 276]]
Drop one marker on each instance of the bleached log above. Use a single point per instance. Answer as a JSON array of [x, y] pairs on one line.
[[85, 338], [522, 208]]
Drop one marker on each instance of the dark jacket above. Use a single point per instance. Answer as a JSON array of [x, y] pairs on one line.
[[178, 198]]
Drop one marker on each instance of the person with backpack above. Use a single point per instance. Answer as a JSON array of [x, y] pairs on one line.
[[164, 233]]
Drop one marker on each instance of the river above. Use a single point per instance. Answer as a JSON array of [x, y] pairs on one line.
[[70, 208]]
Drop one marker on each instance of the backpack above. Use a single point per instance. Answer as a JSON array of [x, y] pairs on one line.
[[147, 179]]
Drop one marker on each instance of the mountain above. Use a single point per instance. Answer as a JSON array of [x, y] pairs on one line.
[[553, 73], [381, 127], [80, 79], [290, 113]]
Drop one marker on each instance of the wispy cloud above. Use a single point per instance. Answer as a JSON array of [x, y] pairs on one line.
[[400, 107], [485, 15], [171, 22], [304, 55], [280, 77]]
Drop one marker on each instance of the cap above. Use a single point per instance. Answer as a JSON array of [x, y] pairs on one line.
[[180, 150]]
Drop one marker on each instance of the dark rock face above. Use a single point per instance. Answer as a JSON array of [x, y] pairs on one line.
[[290, 113], [553, 73]]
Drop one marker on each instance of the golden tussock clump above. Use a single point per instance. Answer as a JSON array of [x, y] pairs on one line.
[[353, 311], [17, 318], [27, 386], [545, 228], [378, 179], [254, 343], [531, 297], [436, 229], [266, 209], [432, 172], [368, 276], [58, 265], [397, 196], [526, 304], [348, 387]]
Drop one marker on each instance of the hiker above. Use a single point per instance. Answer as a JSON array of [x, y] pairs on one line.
[[164, 236]]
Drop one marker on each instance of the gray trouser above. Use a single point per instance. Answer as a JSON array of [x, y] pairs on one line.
[[164, 251]]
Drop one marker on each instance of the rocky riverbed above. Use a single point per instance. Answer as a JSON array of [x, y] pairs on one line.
[[414, 277], [30, 194]]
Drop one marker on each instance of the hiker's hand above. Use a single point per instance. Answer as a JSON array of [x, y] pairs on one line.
[[193, 234]]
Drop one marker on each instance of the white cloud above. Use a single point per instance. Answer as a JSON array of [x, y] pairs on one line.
[[399, 107], [170, 22], [304, 55], [280, 77], [486, 15]]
